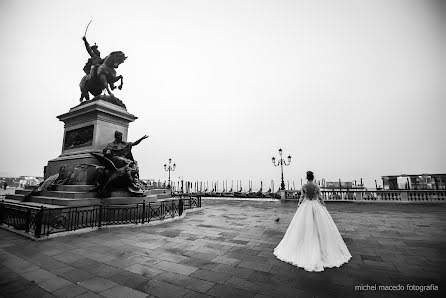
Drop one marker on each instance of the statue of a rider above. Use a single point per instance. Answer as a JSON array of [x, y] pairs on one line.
[[92, 65], [100, 74]]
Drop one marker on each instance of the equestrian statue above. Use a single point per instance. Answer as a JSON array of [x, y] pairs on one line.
[[100, 73]]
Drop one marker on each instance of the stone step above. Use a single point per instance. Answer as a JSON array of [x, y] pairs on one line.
[[22, 191], [58, 202], [129, 200], [71, 190], [162, 196], [32, 204], [126, 193], [59, 194], [68, 194], [15, 197], [74, 188], [157, 191], [39, 201], [55, 194], [67, 202], [121, 193]]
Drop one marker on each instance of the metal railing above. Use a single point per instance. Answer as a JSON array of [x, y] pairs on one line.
[[42, 221]]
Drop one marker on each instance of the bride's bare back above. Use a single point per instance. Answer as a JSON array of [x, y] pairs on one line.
[[311, 191]]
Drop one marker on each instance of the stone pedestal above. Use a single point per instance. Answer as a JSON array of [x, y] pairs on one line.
[[89, 127]]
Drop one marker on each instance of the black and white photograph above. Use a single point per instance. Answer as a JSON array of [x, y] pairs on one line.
[[222, 148]]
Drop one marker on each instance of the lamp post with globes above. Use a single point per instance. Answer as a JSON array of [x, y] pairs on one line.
[[169, 169], [281, 162]]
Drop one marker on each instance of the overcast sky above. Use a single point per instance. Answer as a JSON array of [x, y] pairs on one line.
[[349, 89]]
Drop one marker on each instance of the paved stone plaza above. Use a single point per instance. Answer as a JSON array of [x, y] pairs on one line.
[[225, 250]]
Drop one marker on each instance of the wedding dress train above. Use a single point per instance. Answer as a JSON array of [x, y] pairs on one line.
[[312, 240]]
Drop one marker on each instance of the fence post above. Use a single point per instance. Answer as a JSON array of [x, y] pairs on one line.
[[38, 222], [180, 206], [173, 209], [163, 210], [143, 211], [100, 216], [28, 220], [1, 212]]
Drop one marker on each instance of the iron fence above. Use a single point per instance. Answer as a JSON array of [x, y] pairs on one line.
[[46, 221]]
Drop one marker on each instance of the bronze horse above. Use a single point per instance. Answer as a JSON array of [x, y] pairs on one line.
[[104, 77]]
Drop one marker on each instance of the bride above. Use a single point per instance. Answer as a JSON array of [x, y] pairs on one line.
[[312, 240]]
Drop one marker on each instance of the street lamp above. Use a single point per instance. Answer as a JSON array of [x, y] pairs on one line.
[[281, 162], [169, 169]]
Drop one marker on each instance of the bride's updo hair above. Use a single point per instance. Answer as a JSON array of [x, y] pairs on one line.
[[310, 176]]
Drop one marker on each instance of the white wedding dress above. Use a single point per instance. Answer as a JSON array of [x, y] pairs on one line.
[[312, 240]]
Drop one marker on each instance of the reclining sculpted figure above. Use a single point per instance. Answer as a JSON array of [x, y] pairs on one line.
[[121, 169]]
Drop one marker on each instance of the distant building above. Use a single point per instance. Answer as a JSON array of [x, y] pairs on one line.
[[148, 181], [11, 181], [417, 182], [28, 181], [337, 184], [21, 181]]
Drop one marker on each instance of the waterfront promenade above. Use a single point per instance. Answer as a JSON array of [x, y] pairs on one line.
[[225, 250]]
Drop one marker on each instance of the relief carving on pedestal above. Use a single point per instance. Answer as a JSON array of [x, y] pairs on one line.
[[80, 137]]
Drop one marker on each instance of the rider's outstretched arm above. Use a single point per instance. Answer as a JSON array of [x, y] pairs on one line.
[[87, 46]]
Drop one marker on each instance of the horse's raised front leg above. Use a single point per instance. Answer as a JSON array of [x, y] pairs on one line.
[[112, 83], [114, 80], [122, 82], [105, 85]]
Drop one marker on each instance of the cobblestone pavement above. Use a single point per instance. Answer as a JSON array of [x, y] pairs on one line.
[[225, 250]]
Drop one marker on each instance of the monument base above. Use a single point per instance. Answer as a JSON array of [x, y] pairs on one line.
[[81, 167], [89, 127], [82, 195]]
